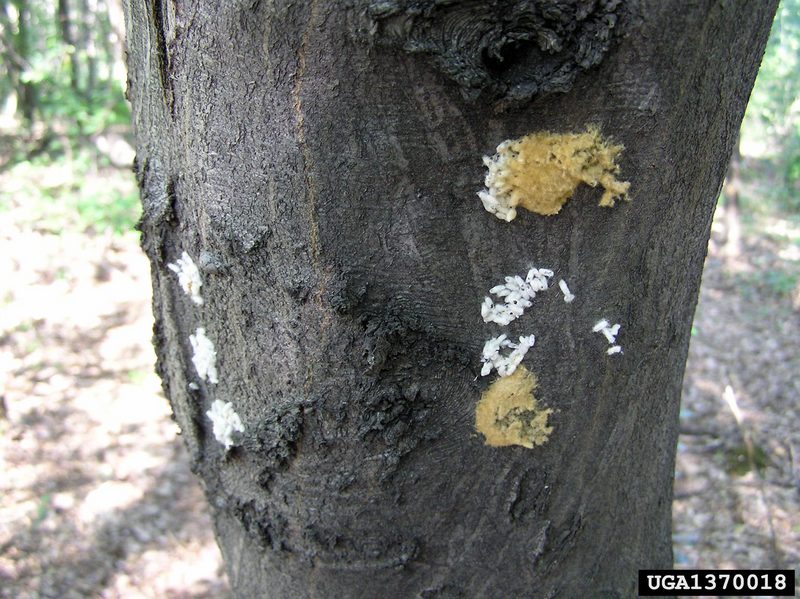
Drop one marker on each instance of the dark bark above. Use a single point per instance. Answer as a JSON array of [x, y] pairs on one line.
[[319, 160]]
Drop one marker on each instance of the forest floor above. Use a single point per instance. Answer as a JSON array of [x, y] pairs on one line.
[[96, 496], [737, 479]]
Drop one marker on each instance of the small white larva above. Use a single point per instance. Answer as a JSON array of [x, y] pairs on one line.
[[610, 333], [568, 296], [505, 365]]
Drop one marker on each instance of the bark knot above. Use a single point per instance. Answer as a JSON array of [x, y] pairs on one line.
[[507, 49]]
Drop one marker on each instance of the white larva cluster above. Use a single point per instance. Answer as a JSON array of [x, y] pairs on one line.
[[505, 365], [610, 332], [517, 294], [225, 422], [188, 277], [496, 198], [205, 356]]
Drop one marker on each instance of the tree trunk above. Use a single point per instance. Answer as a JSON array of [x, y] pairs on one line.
[[730, 190], [105, 44], [26, 91], [87, 33], [66, 27], [319, 161]]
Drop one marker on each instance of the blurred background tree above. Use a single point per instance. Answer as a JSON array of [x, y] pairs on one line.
[[771, 129], [64, 121], [62, 64]]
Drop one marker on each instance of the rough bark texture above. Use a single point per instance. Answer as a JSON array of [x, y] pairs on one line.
[[319, 160]]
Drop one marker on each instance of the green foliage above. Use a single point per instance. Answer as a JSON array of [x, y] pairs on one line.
[[67, 195], [138, 376], [777, 88], [101, 212], [773, 114], [742, 459], [64, 72], [73, 85], [778, 282], [84, 116], [792, 171], [42, 510], [82, 113]]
